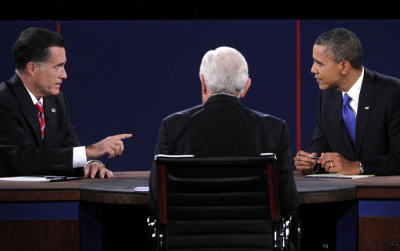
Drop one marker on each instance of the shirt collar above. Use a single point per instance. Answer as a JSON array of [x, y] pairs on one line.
[[34, 100], [225, 94], [354, 91]]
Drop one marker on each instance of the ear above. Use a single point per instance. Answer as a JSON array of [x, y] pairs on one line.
[[345, 67], [203, 85], [31, 68], [246, 88]]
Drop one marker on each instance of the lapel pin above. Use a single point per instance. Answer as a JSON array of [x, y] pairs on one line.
[[53, 109], [367, 107]]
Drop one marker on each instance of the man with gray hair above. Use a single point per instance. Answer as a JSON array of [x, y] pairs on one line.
[[222, 126], [358, 118]]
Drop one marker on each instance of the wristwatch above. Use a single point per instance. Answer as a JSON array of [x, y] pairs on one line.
[[361, 168]]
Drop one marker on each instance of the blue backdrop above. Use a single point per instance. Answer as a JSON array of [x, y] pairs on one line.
[[125, 76]]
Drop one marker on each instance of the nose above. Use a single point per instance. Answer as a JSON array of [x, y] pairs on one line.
[[63, 74], [314, 69]]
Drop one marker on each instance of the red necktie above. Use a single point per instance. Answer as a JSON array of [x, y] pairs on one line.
[[39, 108]]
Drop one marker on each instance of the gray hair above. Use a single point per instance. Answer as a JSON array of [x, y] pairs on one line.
[[225, 71], [342, 45]]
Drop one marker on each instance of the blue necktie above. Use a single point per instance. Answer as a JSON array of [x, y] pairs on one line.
[[349, 119]]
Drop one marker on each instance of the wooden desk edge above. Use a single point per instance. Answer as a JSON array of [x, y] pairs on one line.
[[39, 195], [327, 197], [378, 193], [110, 198]]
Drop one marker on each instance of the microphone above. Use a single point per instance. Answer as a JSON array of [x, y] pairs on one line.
[[342, 123], [47, 120]]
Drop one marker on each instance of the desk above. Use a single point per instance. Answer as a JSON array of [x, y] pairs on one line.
[[89, 200], [378, 210], [48, 215]]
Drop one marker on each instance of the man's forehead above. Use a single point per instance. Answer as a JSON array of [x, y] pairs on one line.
[[57, 53], [322, 51]]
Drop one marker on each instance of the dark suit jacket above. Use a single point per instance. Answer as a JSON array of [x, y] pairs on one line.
[[223, 127], [377, 126], [22, 150]]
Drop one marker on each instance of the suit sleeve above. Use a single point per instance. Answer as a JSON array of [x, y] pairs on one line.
[[388, 164], [288, 195], [161, 148], [20, 156], [320, 142]]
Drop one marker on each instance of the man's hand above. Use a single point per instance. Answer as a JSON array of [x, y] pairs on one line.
[[336, 163], [112, 145], [95, 167], [304, 163]]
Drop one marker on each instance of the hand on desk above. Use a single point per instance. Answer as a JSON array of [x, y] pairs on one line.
[[336, 163], [304, 163], [112, 145], [96, 167]]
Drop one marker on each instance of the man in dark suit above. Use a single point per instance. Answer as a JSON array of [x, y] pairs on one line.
[[36, 135], [222, 126], [358, 119]]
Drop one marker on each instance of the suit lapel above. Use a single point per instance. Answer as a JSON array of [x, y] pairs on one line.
[[365, 106], [50, 115], [27, 108]]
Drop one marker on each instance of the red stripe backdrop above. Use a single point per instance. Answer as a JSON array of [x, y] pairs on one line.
[[298, 89]]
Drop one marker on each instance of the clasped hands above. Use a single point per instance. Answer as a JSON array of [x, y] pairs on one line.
[[112, 146], [331, 162]]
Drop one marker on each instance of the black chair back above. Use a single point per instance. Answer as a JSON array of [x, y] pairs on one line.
[[224, 203]]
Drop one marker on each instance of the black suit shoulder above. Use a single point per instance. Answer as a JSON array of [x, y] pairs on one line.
[[184, 114], [377, 77]]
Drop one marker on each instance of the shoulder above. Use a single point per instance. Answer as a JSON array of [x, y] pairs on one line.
[[376, 76], [382, 81], [381, 87], [267, 118], [7, 96], [184, 114], [5, 91]]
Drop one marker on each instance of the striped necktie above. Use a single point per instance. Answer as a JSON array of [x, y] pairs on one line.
[[39, 108]]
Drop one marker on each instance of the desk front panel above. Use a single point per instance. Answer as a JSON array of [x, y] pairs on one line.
[[39, 226]]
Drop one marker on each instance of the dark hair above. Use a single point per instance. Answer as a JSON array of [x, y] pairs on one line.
[[33, 46], [342, 45]]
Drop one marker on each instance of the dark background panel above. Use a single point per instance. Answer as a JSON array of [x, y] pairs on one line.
[[126, 76], [381, 52]]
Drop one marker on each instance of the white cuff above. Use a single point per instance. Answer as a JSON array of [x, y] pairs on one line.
[[79, 157]]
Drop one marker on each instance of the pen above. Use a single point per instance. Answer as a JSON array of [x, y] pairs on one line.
[[56, 177], [313, 157]]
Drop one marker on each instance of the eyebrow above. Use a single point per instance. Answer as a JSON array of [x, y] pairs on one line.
[[317, 61]]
